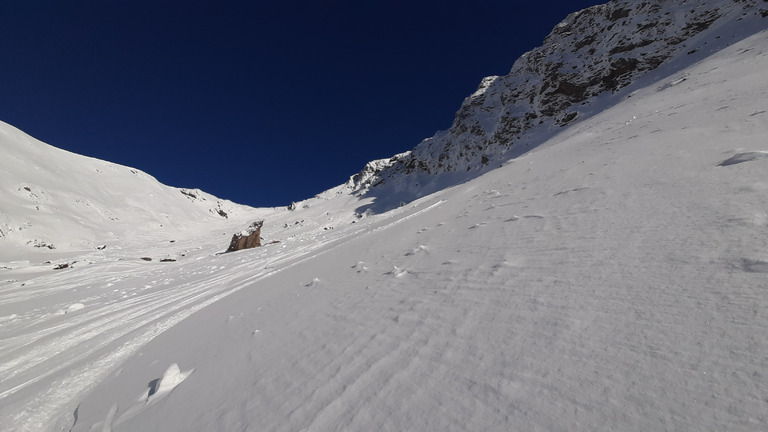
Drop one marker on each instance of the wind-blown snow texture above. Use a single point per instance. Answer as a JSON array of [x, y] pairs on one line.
[[613, 278]]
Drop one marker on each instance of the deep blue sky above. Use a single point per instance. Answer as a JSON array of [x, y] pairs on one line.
[[259, 102]]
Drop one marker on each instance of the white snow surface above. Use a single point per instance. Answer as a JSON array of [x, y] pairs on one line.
[[56, 200], [614, 278]]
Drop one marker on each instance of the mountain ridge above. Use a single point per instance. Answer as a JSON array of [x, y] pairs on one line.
[[584, 65], [55, 199]]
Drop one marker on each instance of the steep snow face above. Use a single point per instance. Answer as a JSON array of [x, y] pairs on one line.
[[51, 199], [580, 69]]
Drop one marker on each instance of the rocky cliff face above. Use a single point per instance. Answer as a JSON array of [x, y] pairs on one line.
[[592, 54]]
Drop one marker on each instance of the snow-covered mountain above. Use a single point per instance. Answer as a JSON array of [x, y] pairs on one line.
[[611, 278], [590, 61], [54, 199]]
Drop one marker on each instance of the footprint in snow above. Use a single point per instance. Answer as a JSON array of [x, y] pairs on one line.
[[172, 377], [156, 390], [753, 266], [397, 272], [579, 188], [71, 308], [419, 249], [74, 307], [744, 157]]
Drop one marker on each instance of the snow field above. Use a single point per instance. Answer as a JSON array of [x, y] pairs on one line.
[[612, 279]]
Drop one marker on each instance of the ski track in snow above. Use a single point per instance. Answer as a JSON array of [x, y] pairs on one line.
[[611, 279], [44, 349]]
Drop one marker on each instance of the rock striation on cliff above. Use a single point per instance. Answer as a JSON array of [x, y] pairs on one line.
[[582, 66]]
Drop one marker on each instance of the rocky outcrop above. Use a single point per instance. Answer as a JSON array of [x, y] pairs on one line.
[[196, 195], [248, 238], [592, 54], [369, 175]]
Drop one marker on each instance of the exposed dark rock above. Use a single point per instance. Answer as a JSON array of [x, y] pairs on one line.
[[41, 244], [369, 176], [191, 194], [61, 266], [249, 238], [146, 258], [620, 68], [619, 13], [598, 51], [630, 46], [569, 118]]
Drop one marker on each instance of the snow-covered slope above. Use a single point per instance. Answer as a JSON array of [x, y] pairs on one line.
[[611, 279], [591, 60], [56, 203]]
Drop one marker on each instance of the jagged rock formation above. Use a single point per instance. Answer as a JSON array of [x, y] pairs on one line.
[[248, 238], [593, 53], [369, 175]]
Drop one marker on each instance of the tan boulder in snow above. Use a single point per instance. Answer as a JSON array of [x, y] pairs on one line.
[[249, 238]]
